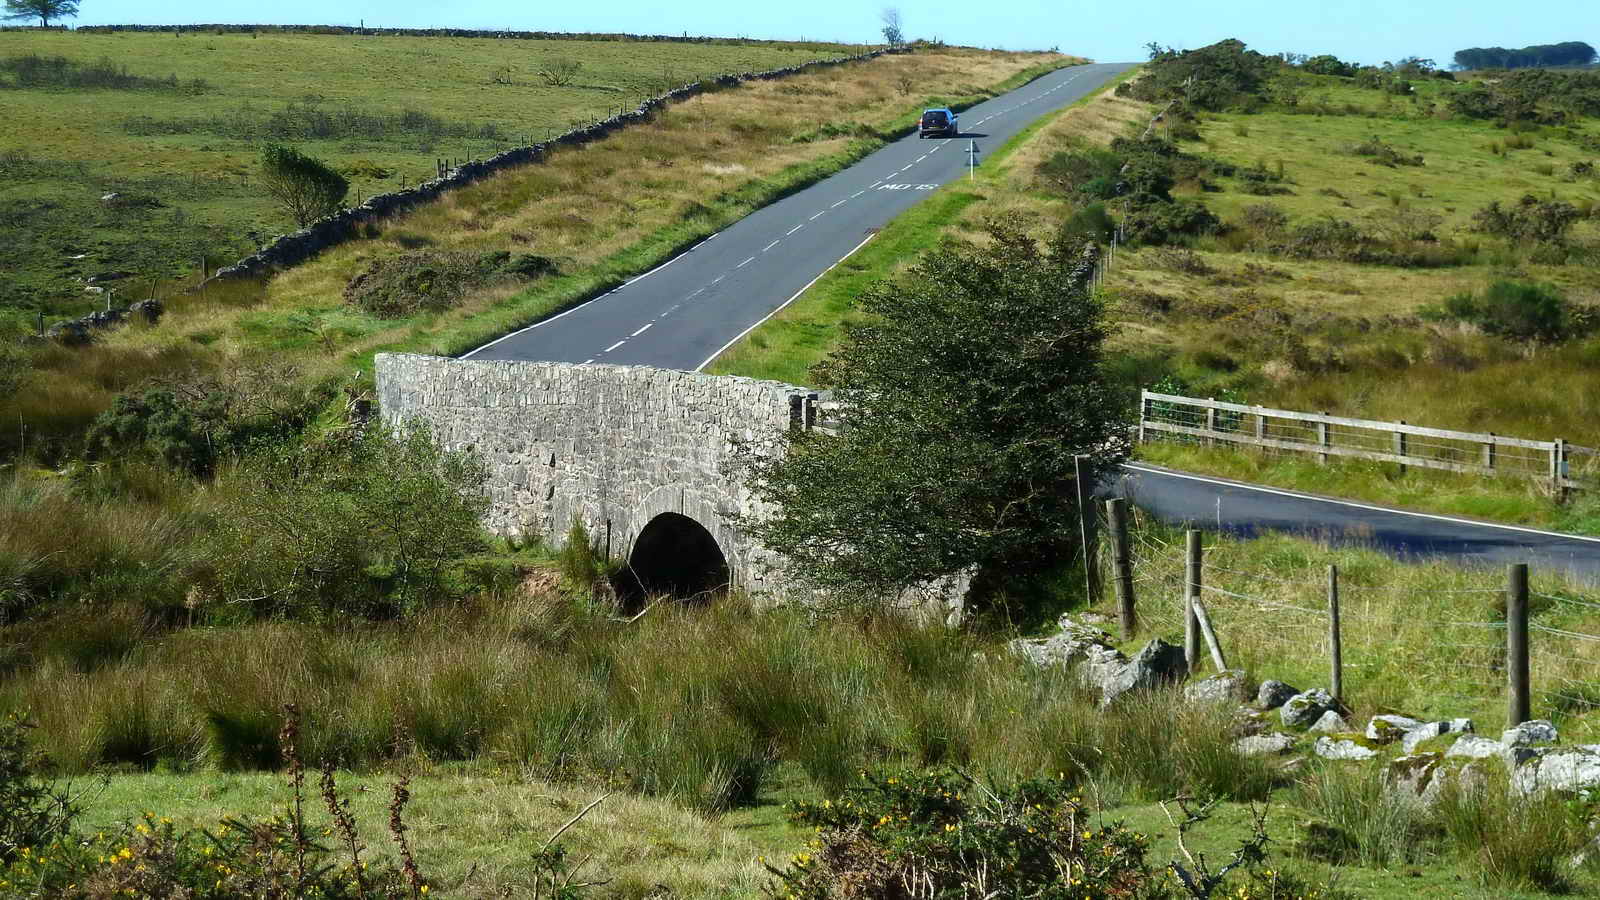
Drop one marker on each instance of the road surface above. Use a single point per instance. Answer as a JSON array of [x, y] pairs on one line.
[[1245, 509], [683, 314]]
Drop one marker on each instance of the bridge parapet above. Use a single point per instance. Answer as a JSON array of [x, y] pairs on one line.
[[611, 446]]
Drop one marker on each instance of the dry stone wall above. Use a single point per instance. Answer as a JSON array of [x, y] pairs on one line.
[[612, 446], [293, 249]]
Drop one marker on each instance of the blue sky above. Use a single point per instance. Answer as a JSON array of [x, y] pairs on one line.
[[1361, 30]]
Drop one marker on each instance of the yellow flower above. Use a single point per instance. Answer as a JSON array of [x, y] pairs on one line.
[[423, 889]]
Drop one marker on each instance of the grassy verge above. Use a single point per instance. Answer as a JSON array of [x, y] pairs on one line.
[[786, 346], [474, 832]]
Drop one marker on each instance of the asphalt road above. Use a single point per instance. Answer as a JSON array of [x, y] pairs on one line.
[[1244, 509], [686, 312]]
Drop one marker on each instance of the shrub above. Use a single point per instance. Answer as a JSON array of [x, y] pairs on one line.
[[34, 813], [373, 526], [1530, 220], [952, 836], [305, 187], [1509, 309], [427, 280], [1088, 224], [1380, 153]]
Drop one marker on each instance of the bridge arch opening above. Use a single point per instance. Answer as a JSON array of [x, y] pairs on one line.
[[673, 555]]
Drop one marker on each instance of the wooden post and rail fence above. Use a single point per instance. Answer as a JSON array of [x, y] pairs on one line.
[[1560, 465]]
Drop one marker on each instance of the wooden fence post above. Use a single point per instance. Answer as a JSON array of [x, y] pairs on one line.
[[1261, 426], [1335, 648], [1399, 450], [1088, 529], [1191, 622], [1488, 453], [1122, 564], [1517, 706], [1558, 470], [1323, 438], [1211, 421]]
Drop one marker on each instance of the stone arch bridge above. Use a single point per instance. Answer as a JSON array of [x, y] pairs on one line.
[[639, 455]]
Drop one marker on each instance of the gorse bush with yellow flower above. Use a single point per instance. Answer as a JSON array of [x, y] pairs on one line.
[[942, 833]]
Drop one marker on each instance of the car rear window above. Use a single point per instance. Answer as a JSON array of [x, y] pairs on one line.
[[933, 118]]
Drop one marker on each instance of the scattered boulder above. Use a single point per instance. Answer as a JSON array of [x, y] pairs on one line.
[[1388, 729], [1304, 709], [1248, 721], [1223, 687], [1431, 730], [1422, 779], [1575, 770], [1331, 723], [1344, 746], [1273, 694], [1531, 733], [114, 275], [111, 199], [1473, 746], [72, 334], [1273, 744], [1068, 647], [1157, 663], [150, 309]]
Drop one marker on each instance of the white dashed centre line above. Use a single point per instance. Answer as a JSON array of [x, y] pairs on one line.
[[922, 157], [907, 167], [615, 346], [814, 218], [840, 203], [794, 229], [642, 330], [857, 194], [745, 263], [718, 278], [769, 246]]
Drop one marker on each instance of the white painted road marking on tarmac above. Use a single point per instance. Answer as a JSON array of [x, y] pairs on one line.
[[642, 330], [857, 194], [840, 203], [740, 335], [615, 346], [814, 218], [718, 278], [794, 229], [1388, 509], [745, 263], [770, 246], [589, 360]]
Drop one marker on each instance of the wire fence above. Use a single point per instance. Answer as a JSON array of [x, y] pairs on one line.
[[1206, 421], [1440, 633]]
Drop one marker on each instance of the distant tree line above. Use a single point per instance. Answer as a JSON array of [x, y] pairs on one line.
[[1567, 53]]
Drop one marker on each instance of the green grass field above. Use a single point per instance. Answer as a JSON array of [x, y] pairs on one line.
[[380, 109]]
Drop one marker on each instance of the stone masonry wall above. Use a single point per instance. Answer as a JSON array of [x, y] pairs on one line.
[[617, 444]]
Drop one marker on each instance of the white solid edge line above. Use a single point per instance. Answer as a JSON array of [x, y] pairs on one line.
[[1356, 505], [507, 337], [724, 348]]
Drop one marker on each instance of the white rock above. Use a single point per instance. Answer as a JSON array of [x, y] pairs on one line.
[[1264, 744], [1474, 746], [1537, 731], [1430, 730], [1303, 709], [1557, 770], [1223, 687], [1331, 723], [1387, 729], [1341, 748]]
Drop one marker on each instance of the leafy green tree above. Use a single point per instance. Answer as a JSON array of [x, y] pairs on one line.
[[304, 186], [43, 10], [968, 387]]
